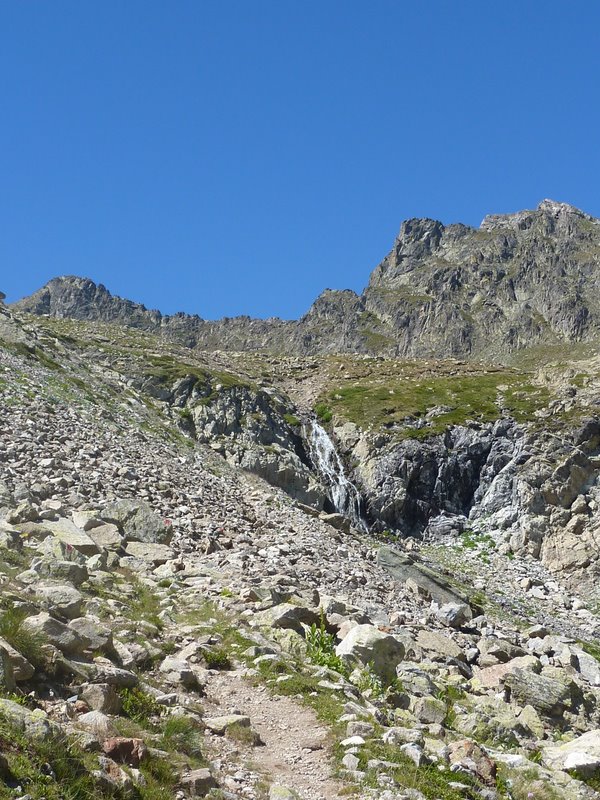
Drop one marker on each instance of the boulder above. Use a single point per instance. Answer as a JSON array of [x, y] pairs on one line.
[[155, 554], [367, 645], [71, 536], [7, 678], [198, 783], [106, 536], [287, 615], [454, 615], [582, 755], [64, 638], [97, 633], [22, 669], [492, 677], [125, 750], [138, 521], [438, 646], [220, 725], [101, 697], [62, 599], [548, 696]]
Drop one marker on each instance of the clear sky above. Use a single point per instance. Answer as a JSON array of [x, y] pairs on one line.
[[239, 156]]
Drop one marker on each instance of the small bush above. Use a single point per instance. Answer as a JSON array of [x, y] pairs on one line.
[[320, 648], [323, 412], [138, 705], [369, 681], [217, 659]]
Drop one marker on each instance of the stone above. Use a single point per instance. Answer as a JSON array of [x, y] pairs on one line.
[[178, 671], [106, 536], [69, 571], [548, 696], [279, 792], [400, 736], [427, 583], [22, 669], [101, 697], [71, 536], [98, 634], [220, 725], [470, 756], [97, 723], [34, 724], [287, 615], [154, 553], [7, 678], [125, 750], [138, 521], [454, 615], [582, 755], [429, 710], [439, 646], [367, 645], [64, 638], [198, 783], [492, 677], [62, 599]]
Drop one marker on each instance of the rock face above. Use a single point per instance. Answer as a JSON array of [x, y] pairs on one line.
[[518, 279]]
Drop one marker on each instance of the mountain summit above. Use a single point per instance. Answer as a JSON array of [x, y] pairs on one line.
[[443, 290]]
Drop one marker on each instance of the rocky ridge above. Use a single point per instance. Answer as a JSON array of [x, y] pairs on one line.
[[157, 600], [523, 279]]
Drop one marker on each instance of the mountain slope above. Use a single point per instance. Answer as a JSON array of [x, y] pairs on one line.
[[517, 280]]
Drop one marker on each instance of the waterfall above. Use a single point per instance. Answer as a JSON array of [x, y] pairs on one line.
[[344, 494]]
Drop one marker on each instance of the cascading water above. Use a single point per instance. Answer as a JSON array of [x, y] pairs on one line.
[[344, 494]]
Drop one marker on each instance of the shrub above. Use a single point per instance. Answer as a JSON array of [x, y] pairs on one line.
[[320, 648], [138, 705], [181, 735], [217, 659]]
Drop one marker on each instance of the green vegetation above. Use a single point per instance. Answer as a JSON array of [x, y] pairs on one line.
[[182, 735], [433, 782], [291, 420], [139, 706], [369, 681], [323, 412], [52, 767], [29, 643], [320, 648], [217, 658], [401, 400]]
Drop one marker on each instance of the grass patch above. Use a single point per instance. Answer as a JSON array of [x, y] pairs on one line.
[[400, 400], [139, 706], [182, 735], [28, 643], [433, 782], [218, 658]]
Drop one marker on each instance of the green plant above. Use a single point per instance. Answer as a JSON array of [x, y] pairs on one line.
[[182, 735], [320, 648], [29, 643], [217, 658], [292, 420], [138, 705], [369, 681], [323, 412]]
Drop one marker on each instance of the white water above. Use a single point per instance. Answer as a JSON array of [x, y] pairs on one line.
[[344, 494]]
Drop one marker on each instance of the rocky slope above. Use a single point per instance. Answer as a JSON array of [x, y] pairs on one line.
[[171, 625], [443, 290]]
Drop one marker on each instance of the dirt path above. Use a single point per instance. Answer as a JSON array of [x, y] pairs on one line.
[[295, 751]]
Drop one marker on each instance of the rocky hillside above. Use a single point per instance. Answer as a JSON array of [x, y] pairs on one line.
[[523, 279], [207, 586]]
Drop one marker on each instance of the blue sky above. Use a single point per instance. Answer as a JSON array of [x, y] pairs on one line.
[[239, 156]]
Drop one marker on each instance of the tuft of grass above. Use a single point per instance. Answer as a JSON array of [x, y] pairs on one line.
[[182, 735], [139, 706], [28, 643], [323, 412], [217, 658]]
